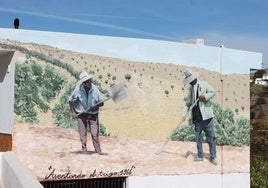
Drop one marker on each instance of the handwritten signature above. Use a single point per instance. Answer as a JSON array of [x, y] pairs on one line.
[[54, 174]]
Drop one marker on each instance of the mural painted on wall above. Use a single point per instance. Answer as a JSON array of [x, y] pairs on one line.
[[142, 129]]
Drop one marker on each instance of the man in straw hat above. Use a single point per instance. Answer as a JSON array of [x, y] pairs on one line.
[[85, 96], [202, 113]]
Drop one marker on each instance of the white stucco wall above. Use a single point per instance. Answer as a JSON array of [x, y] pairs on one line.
[[218, 59], [7, 71]]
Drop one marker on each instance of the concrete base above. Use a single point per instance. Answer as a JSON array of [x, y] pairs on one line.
[[14, 174], [191, 181]]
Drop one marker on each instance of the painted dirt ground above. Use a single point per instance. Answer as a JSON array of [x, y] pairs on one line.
[[44, 148]]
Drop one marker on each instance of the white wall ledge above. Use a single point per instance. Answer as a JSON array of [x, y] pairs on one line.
[[13, 174], [234, 180]]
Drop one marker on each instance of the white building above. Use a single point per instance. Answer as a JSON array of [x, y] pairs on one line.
[[260, 81], [265, 76], [263, 80]]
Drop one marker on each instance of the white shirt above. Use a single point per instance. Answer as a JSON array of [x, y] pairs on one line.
[[195, 90]]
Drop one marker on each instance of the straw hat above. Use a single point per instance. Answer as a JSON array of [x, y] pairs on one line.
[[84, 76], [189, 76]]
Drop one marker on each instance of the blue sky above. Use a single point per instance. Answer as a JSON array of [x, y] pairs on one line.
[[237, 24]]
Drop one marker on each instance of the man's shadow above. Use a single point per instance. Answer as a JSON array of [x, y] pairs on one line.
[[189, 153], [84, 152], [88, 152]]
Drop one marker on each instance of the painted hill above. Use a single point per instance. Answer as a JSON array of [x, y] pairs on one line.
[[156, 90]]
